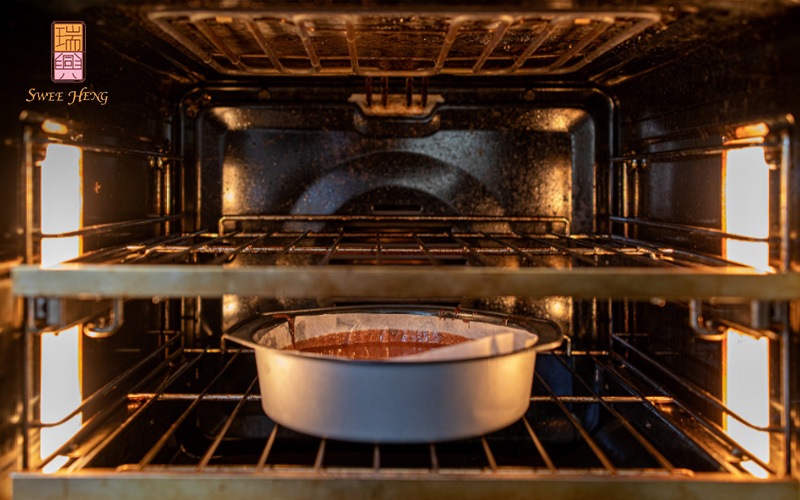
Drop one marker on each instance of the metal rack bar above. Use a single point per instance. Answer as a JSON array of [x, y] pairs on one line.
[[449, 38], [111, 226], [785, 212], [489, 456], [108, 253], [434, 459], [661, 459], [598, 452], [785, 381], [401, 249], [116, 150], [352, 49], [536, 261], [715, 429], [397, 218], [175, 257], [666, 417], [586, 40], [424, 248], [495, 41], [320, 455], [224, 429], [535, 44], [110, 385], [151, 454], [674, 252], [476, 257], [218, 43], [167, 281], [233, 397], [88, 457], [308, 45], [378, 247], [262, 42], [229, 257], [88, 425], [694, 389], [681, 153], [148, 248], [561, 248], [167, 20], [635, 258], [685, 228], [267, 448], [332, 251], [539, 447]]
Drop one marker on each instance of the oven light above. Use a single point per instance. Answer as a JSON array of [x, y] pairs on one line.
[[61, 211], [52, 127], [746, 359], [746, 206]]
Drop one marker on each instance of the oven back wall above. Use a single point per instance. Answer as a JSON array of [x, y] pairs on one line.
[[488, 156]]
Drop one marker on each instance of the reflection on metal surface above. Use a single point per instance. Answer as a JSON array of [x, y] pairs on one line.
[[61, 211], [746, 361]]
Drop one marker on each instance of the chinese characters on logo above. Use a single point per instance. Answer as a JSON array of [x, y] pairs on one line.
[[69, 51]]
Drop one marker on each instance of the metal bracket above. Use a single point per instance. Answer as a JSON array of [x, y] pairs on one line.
[[397, 105], [698, 324], [115, 320]]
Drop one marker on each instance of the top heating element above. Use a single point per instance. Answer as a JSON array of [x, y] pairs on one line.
[[399, 44]]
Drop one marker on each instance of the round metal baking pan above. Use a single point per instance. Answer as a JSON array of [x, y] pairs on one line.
[[394, 402]]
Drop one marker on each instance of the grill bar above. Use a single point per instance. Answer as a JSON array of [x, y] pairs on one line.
[[167, 435], [107, 388], [713, 427], [536, 442], [668, 419], [267, 448], [608, 249], [598, 452], [536, 261], [625, 423], [86, 459], [342, 32], [231, 397], [697, 391], [408, 244], [329, 255], [99, 417], [218, 439], [113, 226], [483, 461]]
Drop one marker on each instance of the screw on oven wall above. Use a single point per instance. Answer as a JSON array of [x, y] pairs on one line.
[[263, 95], [529, 95]]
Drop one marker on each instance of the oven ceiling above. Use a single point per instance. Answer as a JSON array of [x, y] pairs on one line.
[[398, 44]]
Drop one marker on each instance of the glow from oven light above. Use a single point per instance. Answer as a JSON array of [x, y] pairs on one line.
[[746, 202], [746, 368], [54, 127], [61, 211]]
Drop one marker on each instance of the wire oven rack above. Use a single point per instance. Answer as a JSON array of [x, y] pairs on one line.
[[398, 44], [665, 453], [393, 256]]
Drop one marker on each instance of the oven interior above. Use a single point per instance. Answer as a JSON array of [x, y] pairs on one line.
[[574, 163]]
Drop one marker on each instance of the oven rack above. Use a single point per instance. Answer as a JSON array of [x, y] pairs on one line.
[[398, 44], [526, 457], [403, 256]]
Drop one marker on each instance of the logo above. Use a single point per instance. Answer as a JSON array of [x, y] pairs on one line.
[[68, 49]]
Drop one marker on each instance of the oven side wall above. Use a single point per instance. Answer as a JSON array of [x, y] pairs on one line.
[[746, 70]]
